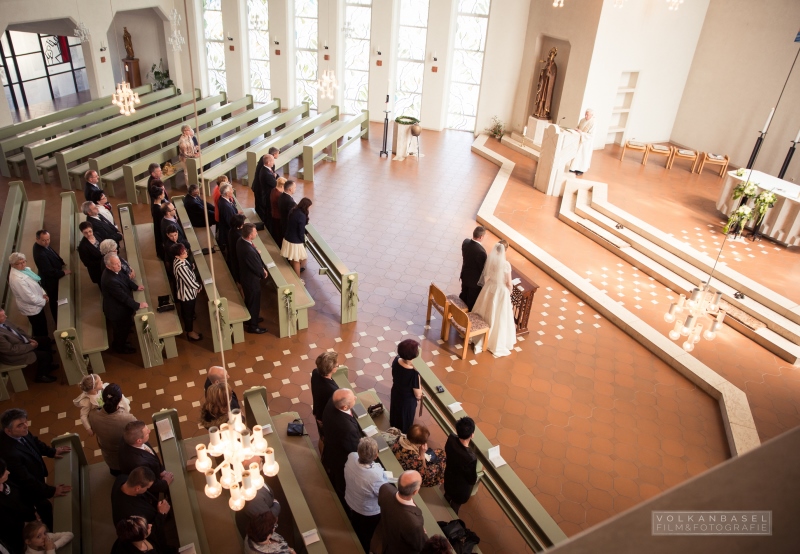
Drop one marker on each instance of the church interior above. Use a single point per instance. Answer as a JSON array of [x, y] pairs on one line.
[[609, 142]]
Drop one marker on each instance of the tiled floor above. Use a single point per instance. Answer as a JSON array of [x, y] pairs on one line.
[[590, 420]]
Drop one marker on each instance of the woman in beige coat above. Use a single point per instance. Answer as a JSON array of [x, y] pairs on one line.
[[108, 424]]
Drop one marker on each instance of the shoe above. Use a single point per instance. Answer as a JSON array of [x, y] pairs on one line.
[[199, 337], [260, 319], [302, 269], [45, 379], [255, 330]]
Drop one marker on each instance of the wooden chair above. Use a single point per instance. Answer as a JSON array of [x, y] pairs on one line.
[[441, 302], [657, 150], [686, 155], [633, 145], [467, 324], [714, 159]]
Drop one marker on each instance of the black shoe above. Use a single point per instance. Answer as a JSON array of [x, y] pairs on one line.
[[255, 330], [302, 269], [45, 379], [199, 337]]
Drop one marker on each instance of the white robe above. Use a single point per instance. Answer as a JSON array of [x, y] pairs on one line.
[[583, 158]]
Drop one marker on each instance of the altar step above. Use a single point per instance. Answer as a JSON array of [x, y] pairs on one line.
[[680, 267], [527, 148]]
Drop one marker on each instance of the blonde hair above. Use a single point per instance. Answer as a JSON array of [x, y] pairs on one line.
[[281, 181], [222, 179], [88, 382]]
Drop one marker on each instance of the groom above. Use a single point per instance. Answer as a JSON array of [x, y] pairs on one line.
[[474, 258]]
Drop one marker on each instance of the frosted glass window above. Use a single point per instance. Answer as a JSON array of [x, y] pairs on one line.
[[306, 41], [215, 46], [468, 49], [358, 24], [258, 37], [411, 39]]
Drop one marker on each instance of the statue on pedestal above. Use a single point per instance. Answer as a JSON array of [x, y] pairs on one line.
[[126, 38], [544, 92]]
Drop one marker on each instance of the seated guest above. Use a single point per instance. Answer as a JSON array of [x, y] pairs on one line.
[[401, 529], [91, 399], [215, 375], [37, 539], [170, 218], [156, 193], [29, 294], [108, 425], [263, 502], [99, 198], [103, 229], [323, 386], [186, 288], [342, 434], [437, 544], [412, 452], [364, 479], [234, 234], [16, 509], [196, 209], [173, 237], [135, 451], [118, 303], [89, 252], [90, 187], [134, 536], [461, 472], [108, 246], [17, 348], [275, 211], [51, 268], [214, 410], [131, 497], [261, 536]]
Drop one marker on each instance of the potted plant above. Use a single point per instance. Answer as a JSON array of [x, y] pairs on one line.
[[496, 129], [160, 75]]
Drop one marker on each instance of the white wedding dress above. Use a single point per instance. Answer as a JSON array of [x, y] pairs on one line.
[[494, 305]]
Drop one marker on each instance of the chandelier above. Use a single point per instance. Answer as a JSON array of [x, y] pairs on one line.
[[82, 32], [234, 442], [327, 84], [176, 40], [701, 310], [674, 5], [125, 98]]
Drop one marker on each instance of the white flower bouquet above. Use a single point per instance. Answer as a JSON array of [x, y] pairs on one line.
[[763, 202], [738, 219], [747, 189]]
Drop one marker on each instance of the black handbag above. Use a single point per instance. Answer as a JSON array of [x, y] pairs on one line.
[[460, 538], [296, 428]]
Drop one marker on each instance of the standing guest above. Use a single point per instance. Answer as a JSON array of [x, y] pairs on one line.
[[323, 386], [234, 234], [274, 152], [100, 199], [412, 452], [186, 146], [437, 544], [342, 434], [261, 536], [262, 190], [186, 287], [118, 303], [461, 472], [103, 229], [215, 410], [89, 252], [170, 218], [90, 399], [155, 175], [251, 272], [474, 258], [17, 348], [51, 268], [285, 204], [263, 502], [196, 209], [401, 529], [130, 496], [157, 193], [90, 187], [135, 536], [364, 479], [37, 539], [29, 294], [406, 388], [275, 213], [216, 194], [226, 210], [135, 451], [217, 374], [23, 453], [294, 248], [16, 509], [108, 246], [108, 424], [172, 238]]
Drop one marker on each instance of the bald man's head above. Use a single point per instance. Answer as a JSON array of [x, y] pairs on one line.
[[408, 483], [269, 160], [216, 374], [343, 399]]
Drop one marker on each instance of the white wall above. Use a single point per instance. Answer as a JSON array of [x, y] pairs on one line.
[[743, 58], [147, 37]]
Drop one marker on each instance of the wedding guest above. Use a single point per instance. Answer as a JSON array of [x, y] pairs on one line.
[[108, 246], [406, 387], [363, 479], [263, 184], [17, 348], [226, 209], [103, 205], [103, 229], [108, 425], [261, 536], [217, 374], [135, 536], [90, 399], [411, 450], [196, 209], [474, 258], [234, 234], [186, 146], [263, 502], [286, 203], [90, 187], [130, 496], [186, 288], [89, 252], [37, 539], [342, 433], [156, 192], [155, 178], [251, 272], [461, 472], [275, 213], [135, 452], [16, 509], [216, 194], [214, 411], [323, 386], [172, 238], [494, 304], [437, 544], [170, 218], [29, 294], [294, 248], [118, 303], [401, 529], [51, 268]]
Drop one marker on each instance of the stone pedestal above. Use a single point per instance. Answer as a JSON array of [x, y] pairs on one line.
[[401, 141], [536, 129], [132, 73]]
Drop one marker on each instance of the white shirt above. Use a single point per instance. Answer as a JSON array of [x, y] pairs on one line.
[[363, 483], [106, 214], [28, 293]]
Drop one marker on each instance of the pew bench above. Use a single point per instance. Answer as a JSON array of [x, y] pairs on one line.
[[345, 281], [14, 375], [313, 151]]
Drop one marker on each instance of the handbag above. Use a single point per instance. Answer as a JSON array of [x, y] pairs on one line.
[[296, 428], [375, 410], [460, 538]]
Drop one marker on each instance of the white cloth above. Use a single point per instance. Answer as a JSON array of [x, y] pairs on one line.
[[28, 293], [87, 402], [107, 214], [59, 540], [494, 305], [583, 158]]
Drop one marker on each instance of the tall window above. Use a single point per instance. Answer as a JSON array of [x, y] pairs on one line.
[[258, 35], [306, 45], [411, 57], [465, 81], [215, 45], [358, 22]]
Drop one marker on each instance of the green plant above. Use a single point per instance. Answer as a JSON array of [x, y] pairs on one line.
[[160, 75], [496, 128], [406, 120]]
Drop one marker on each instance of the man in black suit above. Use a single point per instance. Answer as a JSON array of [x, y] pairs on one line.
[[130, 496], [195, 209], [227, 209], [401, 528], [89, 252], [89, 188], [285, 204], [474, 257], [118, 303], [51, 268], [217, 374], [342, 433], [103, 229], [265, 181], [17, 348], [171, 218], [461, 472], [251, 271], [23, 453], [155, 175], [135, 451]]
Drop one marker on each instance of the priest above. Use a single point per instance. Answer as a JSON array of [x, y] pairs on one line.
[[580, 164]]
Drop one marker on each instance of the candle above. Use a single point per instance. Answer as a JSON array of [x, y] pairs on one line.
[[797, 138], [525, 131], [766, 125]]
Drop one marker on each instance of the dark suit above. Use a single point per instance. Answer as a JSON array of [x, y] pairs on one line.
[[251, 272], [285, 205], [262, 503], [119, 305], [262, 188], [131, 457], [342, 433], [474, 257], [197, 211], [401, 529], [92, 258], [230, 255], [18, 350], [28, 471], [143, 505], [88, 191], [16, 509], [155, 212], [226, 211], [103, 229], [165, 223], [461, 472], [51, 269]]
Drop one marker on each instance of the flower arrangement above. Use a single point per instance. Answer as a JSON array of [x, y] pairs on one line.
[[763, 202], [747, 189], [497, 128], [740, 172], [738, 219]]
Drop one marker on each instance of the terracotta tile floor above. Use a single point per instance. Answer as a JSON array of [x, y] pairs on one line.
[[591, 421]]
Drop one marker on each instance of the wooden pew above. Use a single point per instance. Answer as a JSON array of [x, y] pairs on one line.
[[345, 281], [257, 409], [155, 331], [38, 156], [129, 135], [64, 120], [135, 174], [313, 151]]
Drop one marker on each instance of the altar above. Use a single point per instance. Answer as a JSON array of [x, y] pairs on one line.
[[559, 146], [782, 221]]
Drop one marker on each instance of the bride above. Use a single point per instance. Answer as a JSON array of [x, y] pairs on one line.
[[494, 304]]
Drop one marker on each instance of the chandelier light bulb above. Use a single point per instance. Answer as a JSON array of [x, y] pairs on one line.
[[259, 443], [203, 462], [696, 335], [675, 334], [688, 326], [248, 490], [236, 502], [255, 476], [227, 477], [270, 465], [213, 488], [669, 317], [688, 346]]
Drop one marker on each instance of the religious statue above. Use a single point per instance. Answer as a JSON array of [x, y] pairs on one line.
[[544, 92], [126, 38]]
